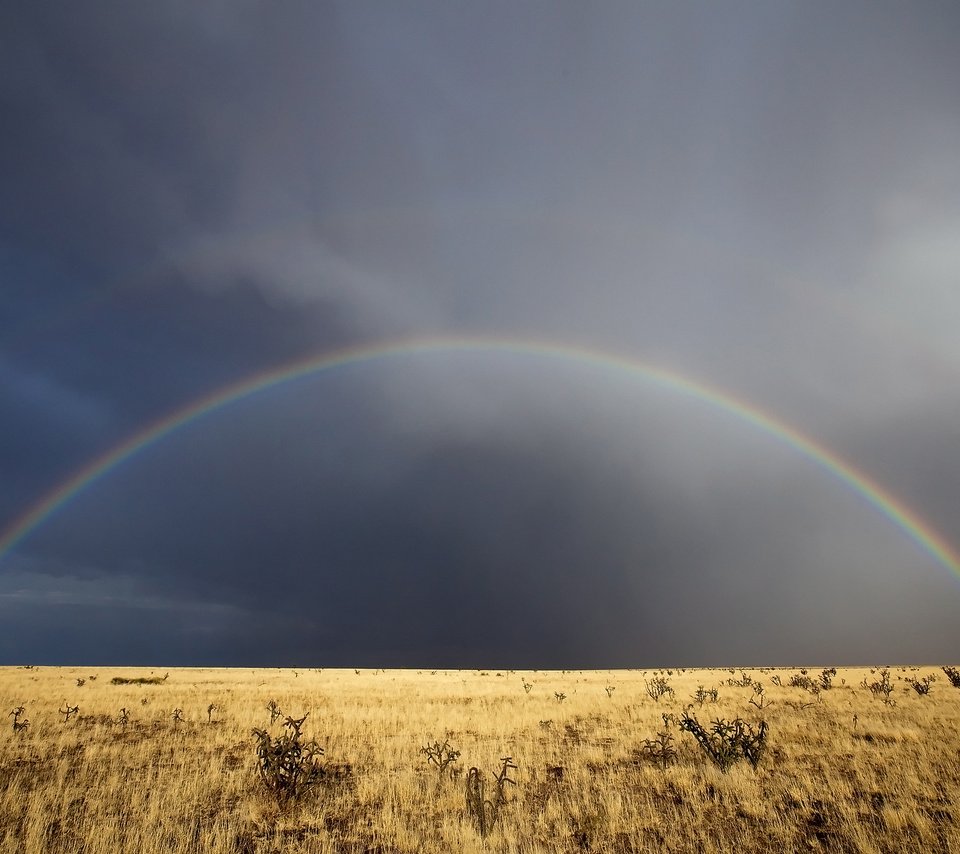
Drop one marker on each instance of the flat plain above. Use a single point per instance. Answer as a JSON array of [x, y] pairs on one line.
[[844, 768]]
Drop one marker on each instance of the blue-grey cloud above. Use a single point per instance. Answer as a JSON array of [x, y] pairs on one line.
[[760, 196]]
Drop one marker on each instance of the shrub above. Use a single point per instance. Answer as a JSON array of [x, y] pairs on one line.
[[69, 711], [808, 683], [881, 687], [657, 687], [953, 675], [728, 741], [826, 677], [922, 686], [758, 699], [705, 695], [659, 751], [16, 714], [486, 811], [287, 765], [441, 755]]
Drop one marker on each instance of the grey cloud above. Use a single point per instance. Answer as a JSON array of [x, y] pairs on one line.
[[761, 197]]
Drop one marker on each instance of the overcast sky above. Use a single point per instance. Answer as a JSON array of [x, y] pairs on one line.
[[763, 197]]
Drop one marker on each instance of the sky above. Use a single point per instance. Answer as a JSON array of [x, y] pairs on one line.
[[761, 200]]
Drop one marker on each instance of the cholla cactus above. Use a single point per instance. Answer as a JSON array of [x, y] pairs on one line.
[[288, 766], [657, 687], [485, 811], [881, 687], [728, 741], [759, 699], [705, 695], [922, 686], [69, 712], [661, 750], [441, 755], [17, 713]]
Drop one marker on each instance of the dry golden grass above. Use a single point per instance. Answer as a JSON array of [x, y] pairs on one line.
[[888, 782]]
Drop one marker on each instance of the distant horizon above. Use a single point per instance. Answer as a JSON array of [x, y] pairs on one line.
[[492, 671]]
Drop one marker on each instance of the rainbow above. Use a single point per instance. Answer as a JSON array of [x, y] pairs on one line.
[[890, 506]]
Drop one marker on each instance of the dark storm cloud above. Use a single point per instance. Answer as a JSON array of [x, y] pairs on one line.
[[762, 196]]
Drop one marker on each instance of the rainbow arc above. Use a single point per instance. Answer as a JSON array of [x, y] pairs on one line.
[[921, 532]]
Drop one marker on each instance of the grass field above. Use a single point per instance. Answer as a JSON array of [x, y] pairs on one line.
[[843, 771]]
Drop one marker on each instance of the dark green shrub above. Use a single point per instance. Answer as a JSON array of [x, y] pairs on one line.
[[705, 695], [440, 755], [659, 751], [657, 687], [287, 765], [881, 687], [922, 686], [726, 742], [953, 675]]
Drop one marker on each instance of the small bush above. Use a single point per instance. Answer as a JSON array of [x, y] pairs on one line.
[[808, 683], [759, 699], [440, 755], [287, 765], [16, 714], [953, 675], [657, 687], [922, 686], [705, 695], [728, 741], [659, 751], [881, 687], [825, 678]]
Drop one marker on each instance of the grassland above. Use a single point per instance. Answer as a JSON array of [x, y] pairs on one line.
[[842, 772]]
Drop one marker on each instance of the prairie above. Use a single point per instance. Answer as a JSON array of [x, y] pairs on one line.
[[842, 771]]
